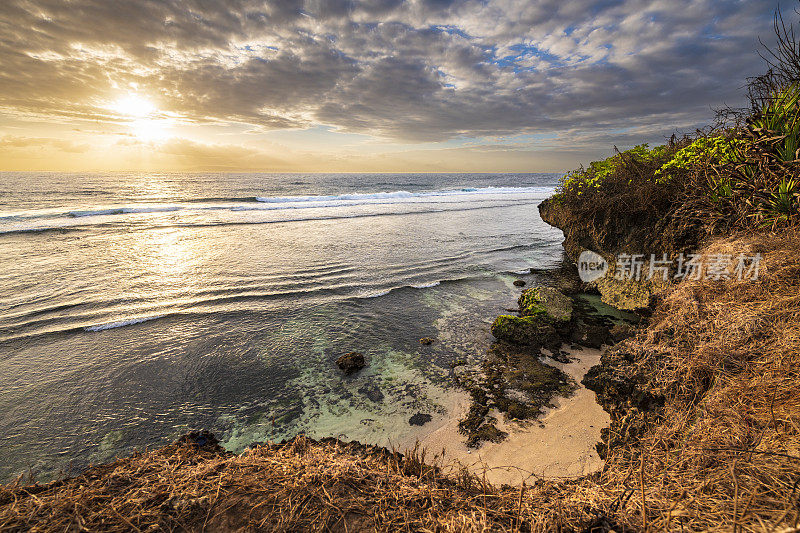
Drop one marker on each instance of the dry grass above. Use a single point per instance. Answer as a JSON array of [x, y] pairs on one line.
[[725, 452], [301, 486], [721, 454]]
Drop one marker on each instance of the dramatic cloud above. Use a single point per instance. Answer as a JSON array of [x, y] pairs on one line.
[[410, 71]]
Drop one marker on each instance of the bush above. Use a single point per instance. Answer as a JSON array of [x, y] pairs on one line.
[[705, 151], [578, 180]]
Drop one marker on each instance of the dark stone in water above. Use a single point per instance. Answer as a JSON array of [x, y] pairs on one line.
[[372, 392], [426, 341], [486, 432], [420, 419], [351, 362], [519, 283]]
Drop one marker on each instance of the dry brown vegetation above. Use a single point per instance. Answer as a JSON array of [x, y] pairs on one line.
[[722, 452], [301, 486]]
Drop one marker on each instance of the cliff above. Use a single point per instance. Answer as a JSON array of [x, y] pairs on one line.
[[611, 233]]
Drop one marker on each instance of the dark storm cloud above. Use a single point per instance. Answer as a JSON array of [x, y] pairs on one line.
[[419, 70]]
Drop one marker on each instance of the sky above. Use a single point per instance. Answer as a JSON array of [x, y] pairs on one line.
[[364, 86]]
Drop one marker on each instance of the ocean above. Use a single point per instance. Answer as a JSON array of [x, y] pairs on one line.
[[137, 306]]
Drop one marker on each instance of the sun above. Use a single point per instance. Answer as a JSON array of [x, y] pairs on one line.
[[134, 105], [143, 118]]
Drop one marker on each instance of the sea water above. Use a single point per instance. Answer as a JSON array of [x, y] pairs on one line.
[[135, 307]]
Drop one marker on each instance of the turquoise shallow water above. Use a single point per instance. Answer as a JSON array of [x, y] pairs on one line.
[[136, 307]]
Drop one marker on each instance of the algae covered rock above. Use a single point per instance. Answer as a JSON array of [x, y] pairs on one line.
[[486, 433], [543, 310], [351, 362], [547, 302], [519, 330], [626, 294]]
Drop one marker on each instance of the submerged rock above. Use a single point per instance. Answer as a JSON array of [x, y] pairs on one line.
[[420, 419], [351, 362], [426, 341], [372, 392], [519, 283], [485, 433]]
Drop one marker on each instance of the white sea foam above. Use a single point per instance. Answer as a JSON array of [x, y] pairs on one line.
[[124, 211], [376, 294], [404, 194], [426, 285], [121, 323], [32, 221]]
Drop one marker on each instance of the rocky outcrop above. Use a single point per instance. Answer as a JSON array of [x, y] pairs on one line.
[[545, 313], [622, 390], [351, 362], [609, 238], [526, 331], [548, 318], [620, 385], [514, 379], [545, 302], [514, 382]]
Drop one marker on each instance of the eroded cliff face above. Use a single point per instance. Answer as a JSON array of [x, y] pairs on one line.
[[638, 233], [622, 388]]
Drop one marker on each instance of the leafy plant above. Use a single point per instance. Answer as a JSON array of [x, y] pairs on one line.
[[778, 123], [703, 152], [782, 205], [721, 190], [579, 180]]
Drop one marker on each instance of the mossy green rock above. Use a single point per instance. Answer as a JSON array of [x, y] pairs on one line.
[[517, 330], [545, 302], [531, 331]]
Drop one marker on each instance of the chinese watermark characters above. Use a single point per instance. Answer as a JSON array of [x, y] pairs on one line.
[[688, 266]]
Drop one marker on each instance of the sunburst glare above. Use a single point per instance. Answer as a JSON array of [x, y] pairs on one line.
[[133, 105], [145, 121]]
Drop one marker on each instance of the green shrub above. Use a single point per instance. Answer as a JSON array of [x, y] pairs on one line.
[[577, 181], [703, 152]]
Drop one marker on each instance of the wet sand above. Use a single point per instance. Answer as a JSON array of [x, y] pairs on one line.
[[561, 443]]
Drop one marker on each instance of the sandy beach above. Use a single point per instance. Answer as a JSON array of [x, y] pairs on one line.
[[559, 444]]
